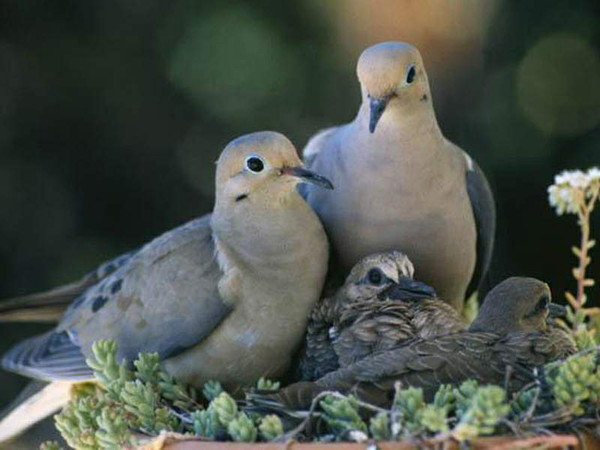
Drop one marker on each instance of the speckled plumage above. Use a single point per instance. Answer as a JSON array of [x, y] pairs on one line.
[[488, 355], [361, 318]]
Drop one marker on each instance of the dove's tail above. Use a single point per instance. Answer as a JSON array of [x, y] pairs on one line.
[[49, 306], [37, 401], [46, 306]]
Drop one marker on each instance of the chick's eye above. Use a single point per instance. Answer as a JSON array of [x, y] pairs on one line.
[[255, 164], [410, 75], [542, 303], [375, 276]]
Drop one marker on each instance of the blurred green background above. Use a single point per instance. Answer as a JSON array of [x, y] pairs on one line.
[[113, 112]]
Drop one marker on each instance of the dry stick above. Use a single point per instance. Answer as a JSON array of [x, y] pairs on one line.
[[295, 431], [290, 435], [183, 418], [557, 417]]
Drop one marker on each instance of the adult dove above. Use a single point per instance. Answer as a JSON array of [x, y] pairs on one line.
[[379, 307], [509, 337], [220, 297], [400, 184]]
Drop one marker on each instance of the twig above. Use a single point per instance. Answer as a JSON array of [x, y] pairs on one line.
[[180, 416], [290, 435]]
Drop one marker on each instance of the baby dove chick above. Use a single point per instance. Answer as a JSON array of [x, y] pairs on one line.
[[400, 184], [379, 307], [510, 336], [220, 297]]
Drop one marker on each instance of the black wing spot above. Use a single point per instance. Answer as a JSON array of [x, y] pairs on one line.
[[99, 303], [78, 301], [241, 197], [116, 286], [106, 269]]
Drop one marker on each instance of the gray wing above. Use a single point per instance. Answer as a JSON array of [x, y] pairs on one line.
[[164, 300], [484, 211], [49, 306], [312, 154], [316, 145]]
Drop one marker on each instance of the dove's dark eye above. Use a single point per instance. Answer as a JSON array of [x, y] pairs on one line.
[[542, 304], [375, 277], [410, 75], [255, 164]]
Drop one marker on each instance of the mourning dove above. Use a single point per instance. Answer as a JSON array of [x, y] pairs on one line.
[[220, 297], [510, 335], [379, 307], [400, 184]]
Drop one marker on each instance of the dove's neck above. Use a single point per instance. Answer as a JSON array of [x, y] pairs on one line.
[[400, 123]]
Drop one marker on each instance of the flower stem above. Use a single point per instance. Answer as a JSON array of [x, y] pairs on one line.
[[584, 224], [584, 219]]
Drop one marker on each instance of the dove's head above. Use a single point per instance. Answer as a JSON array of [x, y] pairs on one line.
[[392, 75], [517, 304], [260, 170], [381, 273]]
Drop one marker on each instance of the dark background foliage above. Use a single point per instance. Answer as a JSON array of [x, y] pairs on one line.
[[112, 113]]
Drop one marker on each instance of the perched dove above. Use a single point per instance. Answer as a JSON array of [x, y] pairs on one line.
[[400, 184], [509, 337], [220, 297], [379, 307]]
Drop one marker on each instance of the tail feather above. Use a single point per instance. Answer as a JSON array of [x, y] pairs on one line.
[[35, 403], [46, 306], [49, 306]]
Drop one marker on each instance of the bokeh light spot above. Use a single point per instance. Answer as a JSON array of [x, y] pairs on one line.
[[230, 63], [558, 85]]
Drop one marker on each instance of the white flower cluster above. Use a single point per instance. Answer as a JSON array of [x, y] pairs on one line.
[[571, 188]]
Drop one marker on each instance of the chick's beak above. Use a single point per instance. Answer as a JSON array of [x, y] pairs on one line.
[[307, 176], [555, 311], [408, 289], [377, 109]]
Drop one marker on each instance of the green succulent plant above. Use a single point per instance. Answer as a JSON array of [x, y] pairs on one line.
[[341, 414], [270, 427], [486, 407], [242, 429]]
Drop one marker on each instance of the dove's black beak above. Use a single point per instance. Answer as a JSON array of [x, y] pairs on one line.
[[408, 289], [555, 311], [307, 176], [377, 109]]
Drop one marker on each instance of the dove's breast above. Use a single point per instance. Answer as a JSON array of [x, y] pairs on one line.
[[398, 199]]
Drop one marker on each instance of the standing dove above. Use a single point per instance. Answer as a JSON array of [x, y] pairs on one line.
[[509, 337], [400, 184], [379, 307], [220, 297]]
